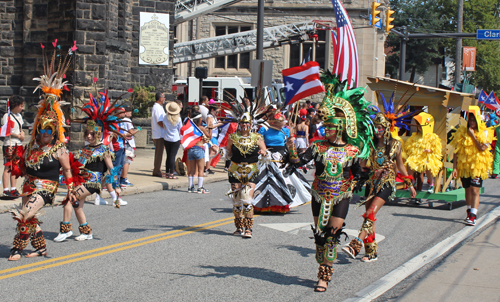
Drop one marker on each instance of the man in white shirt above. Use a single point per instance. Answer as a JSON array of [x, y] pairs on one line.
[[204, 108], [157, 132]]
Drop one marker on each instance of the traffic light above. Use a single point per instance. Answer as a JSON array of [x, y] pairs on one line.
[[388, 20], [375, 12]]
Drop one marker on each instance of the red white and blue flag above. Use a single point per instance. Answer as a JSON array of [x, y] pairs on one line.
[[9, 124], [191, 134], [224, 132], [491, 101], [301, 82], [482, 96], [345, 50]]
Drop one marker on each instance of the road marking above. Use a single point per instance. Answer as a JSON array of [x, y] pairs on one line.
[[113, 248], [294, 228], [379, 287]]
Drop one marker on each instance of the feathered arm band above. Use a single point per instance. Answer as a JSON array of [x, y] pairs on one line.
[[408, 180]]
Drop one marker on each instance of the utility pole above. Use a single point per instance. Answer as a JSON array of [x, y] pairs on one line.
[[402, 57], [458, 51], [260, 30]]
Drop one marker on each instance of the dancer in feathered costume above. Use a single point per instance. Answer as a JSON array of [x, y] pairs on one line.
[[277, 189], [244, 148], [381, 167], [44, 156], [492, 122], [91, 163], [472, 160], [348, 132], [424, 151]]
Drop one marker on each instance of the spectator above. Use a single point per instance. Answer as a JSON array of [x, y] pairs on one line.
[[12, 143], [172, 136], [157, 132], [129, 145], [204, 108], [196, 157], [213, 132]]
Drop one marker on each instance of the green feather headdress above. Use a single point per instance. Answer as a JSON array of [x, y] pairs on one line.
[[357, 122]]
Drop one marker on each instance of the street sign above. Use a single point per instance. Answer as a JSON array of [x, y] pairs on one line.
[[488, 34]]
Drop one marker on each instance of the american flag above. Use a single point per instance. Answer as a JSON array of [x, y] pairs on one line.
[[345, 50]]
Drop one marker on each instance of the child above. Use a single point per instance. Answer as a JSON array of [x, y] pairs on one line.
[[127, 125], [12, 143]]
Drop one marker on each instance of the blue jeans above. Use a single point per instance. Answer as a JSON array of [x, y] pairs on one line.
[[119, 161], [196, 153]]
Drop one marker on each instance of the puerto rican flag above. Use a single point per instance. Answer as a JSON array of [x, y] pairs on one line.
[[224, 132], [191, 134], [301, 82], [9, 124], [345, 50], [482, 96], [491, 101]]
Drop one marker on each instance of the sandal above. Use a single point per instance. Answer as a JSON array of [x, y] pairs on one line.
[[238, 232], [15, 252], [37, 253], [319, 288], [247, 234], [370, 258]]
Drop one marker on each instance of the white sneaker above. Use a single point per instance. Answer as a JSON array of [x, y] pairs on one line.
[[63, 236], [122, 202], [100, 201], [84, 237]]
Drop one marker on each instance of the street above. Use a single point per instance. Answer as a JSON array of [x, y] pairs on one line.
[[175, 246]]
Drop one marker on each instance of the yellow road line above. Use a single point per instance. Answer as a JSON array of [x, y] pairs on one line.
[[113, 246], [111, 251]]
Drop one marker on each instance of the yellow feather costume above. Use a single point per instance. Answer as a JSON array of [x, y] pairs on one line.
[[470, 161], [421, 161]]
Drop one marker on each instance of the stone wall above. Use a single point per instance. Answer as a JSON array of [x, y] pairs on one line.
[[107, 35]]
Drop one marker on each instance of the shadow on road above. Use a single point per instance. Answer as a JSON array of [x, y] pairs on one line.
[[255, 273]]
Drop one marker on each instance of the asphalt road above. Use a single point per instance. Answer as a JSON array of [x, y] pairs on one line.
[[175, 246]]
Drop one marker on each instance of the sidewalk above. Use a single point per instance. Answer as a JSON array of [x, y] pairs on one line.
[[468, 274], [139, 174]]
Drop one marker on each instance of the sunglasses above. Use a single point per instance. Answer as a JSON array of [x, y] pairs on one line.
[[48, 131]]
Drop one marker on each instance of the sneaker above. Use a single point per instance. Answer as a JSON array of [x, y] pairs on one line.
[[418, 200], [468, 214], [84, 237], [202, 190], [7, 193], [122, 202], [471, 220], [63, 236], [210, 172], [100, 201], [431, 189], [125, 182], [191, 190], [14, 193]]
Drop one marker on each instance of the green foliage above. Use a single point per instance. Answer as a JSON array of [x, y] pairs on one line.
[[478, 14], [418, 17], [142, 99]]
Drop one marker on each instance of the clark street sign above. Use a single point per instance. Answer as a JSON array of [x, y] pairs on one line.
[[488, 34]]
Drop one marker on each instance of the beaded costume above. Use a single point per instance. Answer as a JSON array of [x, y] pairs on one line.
[[347, 112], [41, 164], [381, 180]]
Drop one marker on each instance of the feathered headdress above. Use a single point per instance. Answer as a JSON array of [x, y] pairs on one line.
[[101, 117], [239, 111], [356, 121], [52, 84], [392, 117]]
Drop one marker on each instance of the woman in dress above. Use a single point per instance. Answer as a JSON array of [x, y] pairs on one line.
[[348, 130], [43, 158], [381, 167]]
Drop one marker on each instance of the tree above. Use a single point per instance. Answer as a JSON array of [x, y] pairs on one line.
[[478, 14], [418, 17]]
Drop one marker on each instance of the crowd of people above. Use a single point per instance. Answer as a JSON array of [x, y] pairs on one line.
[[350, 143]]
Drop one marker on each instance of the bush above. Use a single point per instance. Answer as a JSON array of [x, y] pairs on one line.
[[142, 99]]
